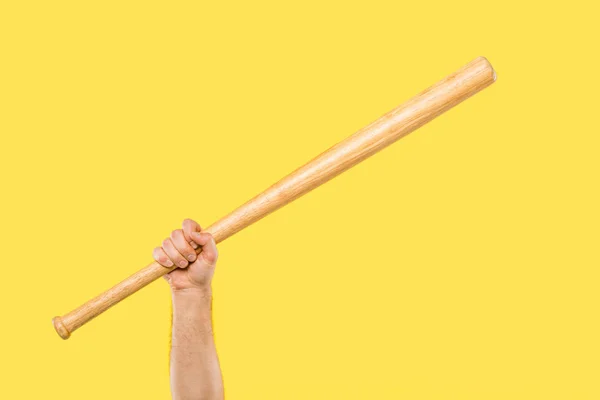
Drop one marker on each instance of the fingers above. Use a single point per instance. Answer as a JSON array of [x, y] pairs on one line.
[[173, 254], [183, 246], [161, 257], [209, 247], [180, 248], [189, 226]]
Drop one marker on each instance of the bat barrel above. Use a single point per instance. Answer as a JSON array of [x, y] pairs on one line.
[[399, 122]]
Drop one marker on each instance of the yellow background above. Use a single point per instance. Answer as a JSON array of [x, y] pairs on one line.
[[460, 263]]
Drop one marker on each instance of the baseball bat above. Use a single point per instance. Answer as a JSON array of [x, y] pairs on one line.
[[424, 107]]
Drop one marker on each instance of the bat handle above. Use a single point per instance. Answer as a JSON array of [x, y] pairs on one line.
[[66, 324]]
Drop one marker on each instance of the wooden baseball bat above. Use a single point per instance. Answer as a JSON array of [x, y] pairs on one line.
[[424, 107]]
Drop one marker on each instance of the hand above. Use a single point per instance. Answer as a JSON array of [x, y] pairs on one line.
[[194, 271]]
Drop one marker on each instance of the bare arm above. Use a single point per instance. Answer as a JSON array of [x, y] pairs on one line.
[[195, 371]]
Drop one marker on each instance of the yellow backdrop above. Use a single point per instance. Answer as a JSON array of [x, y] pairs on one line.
[[461, 263]]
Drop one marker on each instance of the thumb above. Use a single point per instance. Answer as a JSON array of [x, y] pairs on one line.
[[209, 252]]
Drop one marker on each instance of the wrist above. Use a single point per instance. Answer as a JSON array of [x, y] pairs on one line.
[[192, 311], [192, 294]]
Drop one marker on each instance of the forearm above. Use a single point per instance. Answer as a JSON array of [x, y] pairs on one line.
[[195, 371]]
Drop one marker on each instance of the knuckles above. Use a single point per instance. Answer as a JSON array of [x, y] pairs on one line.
[[159, 255]]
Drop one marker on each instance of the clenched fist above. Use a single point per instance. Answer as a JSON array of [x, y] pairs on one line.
[[194, 271]]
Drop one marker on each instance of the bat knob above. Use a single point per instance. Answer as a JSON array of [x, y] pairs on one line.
[[60, 328]]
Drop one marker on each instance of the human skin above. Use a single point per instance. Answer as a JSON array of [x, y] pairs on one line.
[[195, 370]]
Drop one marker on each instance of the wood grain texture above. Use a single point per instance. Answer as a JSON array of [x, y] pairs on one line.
[[424, 107]]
